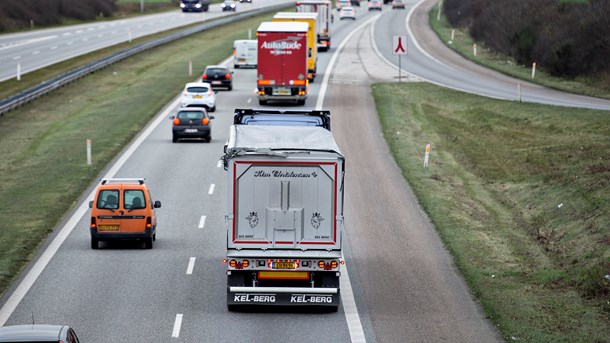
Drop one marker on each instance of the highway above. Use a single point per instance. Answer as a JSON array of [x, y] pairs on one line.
[[400, 284], [40, 48]]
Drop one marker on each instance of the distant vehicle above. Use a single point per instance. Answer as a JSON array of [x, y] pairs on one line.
[[342, 3], [123, 209], [347, 13], [398, 4], [375, 5], [249, 1], [323, 8], [244, 53], [192, 122], [282, 62], [194, 5], [355, 2], [387, 1], [198, 94], [38, 333], [218, 76], [228, 5]]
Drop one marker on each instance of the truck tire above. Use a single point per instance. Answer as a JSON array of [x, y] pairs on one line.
[[262, 102], [94, 243], [233, 308]]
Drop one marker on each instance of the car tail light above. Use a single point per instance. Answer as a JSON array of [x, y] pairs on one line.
[[148, 222], [184, 93], [176, 121], [93, 223], [228, 76], [205, 121], [204, 76], [210, 93]]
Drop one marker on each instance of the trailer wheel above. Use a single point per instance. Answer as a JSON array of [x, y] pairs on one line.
[[233, 308]]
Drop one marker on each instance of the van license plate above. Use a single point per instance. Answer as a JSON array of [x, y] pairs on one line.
[[283, 265], [108, 228], [241, 60]]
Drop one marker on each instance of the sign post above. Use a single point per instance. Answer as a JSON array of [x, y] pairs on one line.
[[399, 47]]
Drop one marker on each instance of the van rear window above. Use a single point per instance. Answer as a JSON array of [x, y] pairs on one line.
[[134, 199], [108, 199]]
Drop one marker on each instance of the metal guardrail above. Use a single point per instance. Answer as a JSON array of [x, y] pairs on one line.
[[46, 87]]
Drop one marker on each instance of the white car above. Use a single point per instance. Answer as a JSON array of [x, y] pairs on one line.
[[198, 94], [347, 13]]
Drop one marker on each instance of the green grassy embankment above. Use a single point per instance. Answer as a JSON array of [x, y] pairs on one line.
[[462, 43], [43, 168], [519, 194]]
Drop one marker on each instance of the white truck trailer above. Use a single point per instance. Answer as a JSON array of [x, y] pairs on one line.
[[285, 215]]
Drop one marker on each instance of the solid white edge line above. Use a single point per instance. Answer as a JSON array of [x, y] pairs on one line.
[[211, 191], [333, 59], [201, 222], [189, 269], [177, 325], [350, 309], [13, 301], [352, 317]]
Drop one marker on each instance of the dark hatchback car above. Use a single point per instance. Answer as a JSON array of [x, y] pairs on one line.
[[192, 122], [38, 333], [218, 76]]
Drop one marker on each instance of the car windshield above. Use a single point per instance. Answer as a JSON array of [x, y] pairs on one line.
[[198, 89], [190, 115]]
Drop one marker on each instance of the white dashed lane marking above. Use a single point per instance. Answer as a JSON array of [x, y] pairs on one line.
[[201, 222], [211, 191], [189, 269], [177, 325]]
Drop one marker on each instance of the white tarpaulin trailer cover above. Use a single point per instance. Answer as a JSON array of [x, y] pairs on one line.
[[251, 138]]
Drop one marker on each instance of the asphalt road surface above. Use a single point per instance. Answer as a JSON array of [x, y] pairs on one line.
[[404, 286], [40, 48]]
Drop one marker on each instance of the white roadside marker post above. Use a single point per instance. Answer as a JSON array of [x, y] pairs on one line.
[[18, 71], [427, 156], [88, 152], [533, 69]]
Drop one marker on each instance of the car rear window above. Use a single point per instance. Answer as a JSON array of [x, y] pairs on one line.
[[190, 115], [108, 198], [197, 89], [216, 71], [134, 199]]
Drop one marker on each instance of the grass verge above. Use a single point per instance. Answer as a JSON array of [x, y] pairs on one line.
[[43, 167], [462, 43], [519, 194]]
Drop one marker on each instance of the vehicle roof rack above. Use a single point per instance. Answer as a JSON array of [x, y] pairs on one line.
[[123, 180]]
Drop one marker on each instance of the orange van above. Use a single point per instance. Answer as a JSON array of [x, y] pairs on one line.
[[123, 209]]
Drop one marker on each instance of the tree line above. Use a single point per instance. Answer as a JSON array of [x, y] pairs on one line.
[[566, 38], [17, 14]]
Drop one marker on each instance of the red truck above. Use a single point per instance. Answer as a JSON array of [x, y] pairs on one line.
[[282, 62]]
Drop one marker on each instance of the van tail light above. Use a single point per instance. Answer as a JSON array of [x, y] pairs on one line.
[[228, 76], [205, 121], [93, 223], [234, 52], [204, 76], [148, 222], [176, 121]]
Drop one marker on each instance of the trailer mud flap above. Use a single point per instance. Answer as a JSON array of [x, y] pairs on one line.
[[260, 296]]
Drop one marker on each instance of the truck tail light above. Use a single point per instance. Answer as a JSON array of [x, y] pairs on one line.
[[261, 92], [93, 223], [176, 121], [148, 222], [264, 82], [299, 82], [205, 121], [232, 263], [321, 264], [246, 263], [334, 264]]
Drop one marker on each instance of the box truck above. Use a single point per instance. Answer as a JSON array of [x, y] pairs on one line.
[[282, 62], [323, 9], [285, 211], [312, 41]]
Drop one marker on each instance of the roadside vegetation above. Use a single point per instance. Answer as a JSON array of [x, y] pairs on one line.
[[20, 15], [519, 194], [109, 108], [568, 40]]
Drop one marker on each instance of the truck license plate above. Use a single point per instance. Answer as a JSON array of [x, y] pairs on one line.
[[283, 265], [108, 228], [281, 91]]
